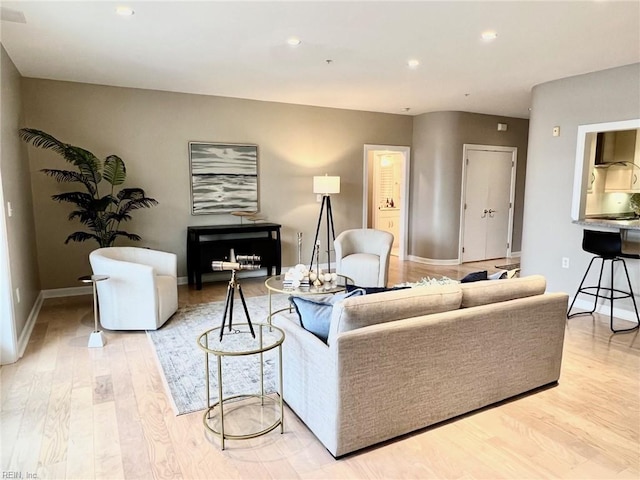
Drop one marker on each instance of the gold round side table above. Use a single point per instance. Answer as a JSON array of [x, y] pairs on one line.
[[235, 343]]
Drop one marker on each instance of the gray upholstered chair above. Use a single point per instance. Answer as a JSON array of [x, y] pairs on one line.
[[142, 290], [363, 255]]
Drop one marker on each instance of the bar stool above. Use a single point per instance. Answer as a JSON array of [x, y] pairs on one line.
[[607, 246]]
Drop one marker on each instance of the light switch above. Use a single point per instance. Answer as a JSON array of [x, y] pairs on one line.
[[556, 131], [9, 210]]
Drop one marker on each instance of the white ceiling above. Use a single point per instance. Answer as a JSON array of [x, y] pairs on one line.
[[239, 49]]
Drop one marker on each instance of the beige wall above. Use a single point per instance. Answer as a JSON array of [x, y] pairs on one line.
[[548, 235], [436, 176], [150, 130], [16, 189]]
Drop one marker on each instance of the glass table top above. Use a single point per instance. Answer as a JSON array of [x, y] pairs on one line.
[[277, 284], [239, 341]]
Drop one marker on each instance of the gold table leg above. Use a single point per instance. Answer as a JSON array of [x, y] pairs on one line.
[[220, 401]]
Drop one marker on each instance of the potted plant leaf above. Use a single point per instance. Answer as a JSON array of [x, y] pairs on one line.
[[101, 212]]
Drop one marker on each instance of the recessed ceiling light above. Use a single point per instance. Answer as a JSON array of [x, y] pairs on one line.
[[413, 63], [294, 41], [124, 11], [489, 35]]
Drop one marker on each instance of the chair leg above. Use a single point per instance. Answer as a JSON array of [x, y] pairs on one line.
[[611, 290], [571, 315], [595, 302], [635, 306]]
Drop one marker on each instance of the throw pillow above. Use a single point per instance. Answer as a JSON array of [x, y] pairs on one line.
[[499, 275], [475, 277], [371, 290], [315, 314]]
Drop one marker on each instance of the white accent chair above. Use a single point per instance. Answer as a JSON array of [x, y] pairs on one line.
[[363, 255], [142, 290]]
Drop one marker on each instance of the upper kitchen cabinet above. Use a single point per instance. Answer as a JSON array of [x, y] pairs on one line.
[[619, 153]]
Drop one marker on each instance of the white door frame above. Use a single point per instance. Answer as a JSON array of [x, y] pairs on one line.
[[512, 190], [404, 204], [8, 337]]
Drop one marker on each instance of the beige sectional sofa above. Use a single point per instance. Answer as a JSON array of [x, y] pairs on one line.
[[402, 360]]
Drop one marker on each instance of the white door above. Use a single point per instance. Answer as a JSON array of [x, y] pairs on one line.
[[487, 202]]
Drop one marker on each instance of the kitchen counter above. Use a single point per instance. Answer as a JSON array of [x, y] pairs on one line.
[[604, 223]]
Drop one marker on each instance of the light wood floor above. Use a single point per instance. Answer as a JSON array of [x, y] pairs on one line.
[[73, 412]]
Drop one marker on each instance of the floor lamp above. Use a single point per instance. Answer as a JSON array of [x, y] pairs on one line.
[[325, 186]]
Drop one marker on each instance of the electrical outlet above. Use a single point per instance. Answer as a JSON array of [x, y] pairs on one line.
[[556, 131], [319, 198], [565, 262]]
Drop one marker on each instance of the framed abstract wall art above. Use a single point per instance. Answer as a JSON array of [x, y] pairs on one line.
[[224, 178]]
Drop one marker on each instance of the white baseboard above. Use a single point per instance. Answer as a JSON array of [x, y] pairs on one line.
[[87, 290], [66, 292], [432, 261], [74, 291], [211, 276], [28, 328], [452, 261], [604, 309]]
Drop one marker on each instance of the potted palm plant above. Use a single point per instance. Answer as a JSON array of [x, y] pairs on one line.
[[101, 212]]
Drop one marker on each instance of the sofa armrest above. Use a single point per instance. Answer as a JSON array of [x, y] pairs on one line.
[[309, 378], [385, 252]]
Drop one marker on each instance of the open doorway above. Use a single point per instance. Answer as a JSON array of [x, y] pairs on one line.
[[386, 193]]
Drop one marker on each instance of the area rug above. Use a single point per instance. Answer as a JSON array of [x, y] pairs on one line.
[[182, 361]]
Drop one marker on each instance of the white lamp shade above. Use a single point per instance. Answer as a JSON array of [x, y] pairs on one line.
[[326, 185]]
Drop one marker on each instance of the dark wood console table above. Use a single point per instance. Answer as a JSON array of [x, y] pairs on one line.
[[208, 243]]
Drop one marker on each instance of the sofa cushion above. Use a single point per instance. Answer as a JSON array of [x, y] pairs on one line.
[[486, 292], [315, 312], [362, 311]]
